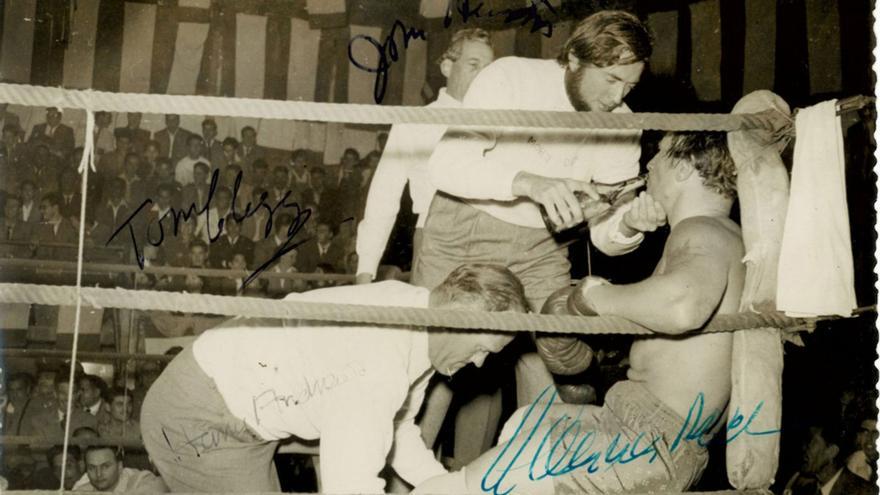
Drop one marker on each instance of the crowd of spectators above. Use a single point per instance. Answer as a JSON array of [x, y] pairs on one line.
[[35, 405], [218, 202]]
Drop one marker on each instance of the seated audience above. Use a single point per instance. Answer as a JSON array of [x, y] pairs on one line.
[[91, 395], [212, 148], [232, 241], [172, 139], [49, 421], [183, 169], [54, 229], [230, 154], [139, 137], [300, 176], [57, 136], [18, 392], [249, 151], [30, 208], [50, 478], [105, 472], [823, 471], [112, 164]]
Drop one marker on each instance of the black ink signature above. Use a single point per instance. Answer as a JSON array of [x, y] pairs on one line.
[[526, 15], [300, 217], [385, 51]]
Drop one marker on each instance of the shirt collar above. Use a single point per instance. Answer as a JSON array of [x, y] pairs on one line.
[[444, 99]]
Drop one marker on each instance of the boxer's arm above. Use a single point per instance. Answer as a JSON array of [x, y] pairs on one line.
[[411, 458], [684, 294]]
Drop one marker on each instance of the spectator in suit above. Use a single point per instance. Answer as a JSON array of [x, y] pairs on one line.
[[13, 157], [172, 139], [57, 136], [258, 175], [104, 140], [54, 229], [317, 192], [183, 171], [254, 227], [139, 137], [249, 151], [91, 397], [13, 228], [49, 422], [142, 186], [174, 251], [164, 174], [18, 388], [8, 118], [151, 154], [346, 173], [43, 168], [300, 176], [116, 208], [823, 471], [265, 249], [212, 148], [230, 153], [280, 287], [129, 170], [228, 179], [212, 223], [30, 210], [330, 252], [50, 478], [196, 192], [280, 187], [231, 242], [71, 199], [233, 286], [112, 164]]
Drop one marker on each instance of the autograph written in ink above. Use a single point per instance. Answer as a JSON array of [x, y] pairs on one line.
[[525, 15], [300, 217], [387, 53], [564, 446]]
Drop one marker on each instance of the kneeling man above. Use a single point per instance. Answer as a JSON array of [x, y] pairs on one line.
[[213, 420], [650, 434]]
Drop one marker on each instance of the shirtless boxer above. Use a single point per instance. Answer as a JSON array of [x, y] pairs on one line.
[[650, 434]]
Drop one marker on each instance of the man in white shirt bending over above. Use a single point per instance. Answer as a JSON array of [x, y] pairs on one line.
[[407, 150], [213, 419]]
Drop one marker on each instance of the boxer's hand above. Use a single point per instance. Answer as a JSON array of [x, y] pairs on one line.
[[363, 278], [555, 195], [579, 301], [645, 215], [562, 354]]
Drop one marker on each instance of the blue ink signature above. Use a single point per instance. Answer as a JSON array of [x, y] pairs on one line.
[[385, 51], [574, 449], [526, 15], [300, 217]]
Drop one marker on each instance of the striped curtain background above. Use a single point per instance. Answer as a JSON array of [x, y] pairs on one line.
[[298, 49]]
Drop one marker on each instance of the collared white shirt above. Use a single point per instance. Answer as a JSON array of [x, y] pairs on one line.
[[480, 164], [26, 211], [356, 387], [404, 159]]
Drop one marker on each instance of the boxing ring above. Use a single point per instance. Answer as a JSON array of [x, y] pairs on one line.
[[771, 121]]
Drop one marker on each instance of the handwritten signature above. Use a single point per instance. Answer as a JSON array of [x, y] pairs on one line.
[[581, 453], [203, 442], [300, 217], [387, 53], [528, 14], [311, 388]]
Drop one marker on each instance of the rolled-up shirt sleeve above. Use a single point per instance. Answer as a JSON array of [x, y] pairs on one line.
[[410, 457]]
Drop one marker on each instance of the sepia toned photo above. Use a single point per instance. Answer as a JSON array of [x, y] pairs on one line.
[[484, 247]]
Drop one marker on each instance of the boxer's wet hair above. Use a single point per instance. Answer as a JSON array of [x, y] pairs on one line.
[[708, 153], [489, 287], [606, 38]]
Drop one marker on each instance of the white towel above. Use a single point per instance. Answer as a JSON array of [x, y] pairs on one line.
[[816, 264]]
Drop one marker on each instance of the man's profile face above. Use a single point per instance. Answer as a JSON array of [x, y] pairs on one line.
[[121, 408], [103, 469], [661, 172], [600, 89], [451, 351], [475, 55]]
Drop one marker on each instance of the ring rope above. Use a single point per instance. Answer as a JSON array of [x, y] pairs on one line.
[[385, 315], [54, 265], [22, 94]]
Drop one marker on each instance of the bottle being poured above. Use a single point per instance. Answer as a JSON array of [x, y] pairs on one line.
[[610, 195]]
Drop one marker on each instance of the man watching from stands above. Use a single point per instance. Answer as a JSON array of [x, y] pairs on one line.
[[50, 478], [112, 164], [57, 136], [172, 139], [18, 389], [230, 153], [54, 229], [139, 137], [281, 187], [300, 176], [30, 209], [257, 174], [249, 151], [49, 422], [212, 149], [13, 228], [116, 421], [232, 241], [105, 472], [183, 170], [92, 389]]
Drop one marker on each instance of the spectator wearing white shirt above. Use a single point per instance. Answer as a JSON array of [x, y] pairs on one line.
[[183, 171], [357, 388]]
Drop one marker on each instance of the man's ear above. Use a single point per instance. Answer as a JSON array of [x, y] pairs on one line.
[[446, 67], [574, 63], [683, 170], [831, 451]]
